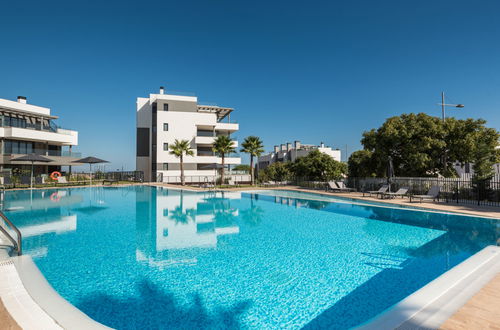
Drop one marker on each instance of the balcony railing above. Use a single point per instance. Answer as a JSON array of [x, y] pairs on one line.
[[205, 153], [216, 154], [43, 152], [53, 128]]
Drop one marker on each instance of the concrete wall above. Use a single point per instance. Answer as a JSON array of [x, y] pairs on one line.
[[143, 119], [14, 105]]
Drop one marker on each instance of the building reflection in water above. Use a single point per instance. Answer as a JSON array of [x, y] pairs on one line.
[[39, 214], [172, 224]]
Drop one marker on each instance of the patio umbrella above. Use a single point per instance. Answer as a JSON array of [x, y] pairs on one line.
[[32, 158], [214, 166], [90, 161], [390, 172]]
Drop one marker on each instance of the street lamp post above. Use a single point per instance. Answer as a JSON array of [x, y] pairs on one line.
[[443, 115], [444, 105]]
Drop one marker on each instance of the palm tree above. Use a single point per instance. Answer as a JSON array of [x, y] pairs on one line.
[[223, 145], [179, 149], [252, 145]]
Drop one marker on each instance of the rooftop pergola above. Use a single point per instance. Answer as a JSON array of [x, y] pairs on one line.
[[24, 113], [220, 111]]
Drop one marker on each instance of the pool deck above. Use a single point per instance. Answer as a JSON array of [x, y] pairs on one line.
[[480, 312]]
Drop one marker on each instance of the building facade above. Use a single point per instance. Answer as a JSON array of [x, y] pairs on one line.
[[26, 129], [290, 152], [162, 118]]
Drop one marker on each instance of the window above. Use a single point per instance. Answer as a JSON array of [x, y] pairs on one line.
[[165, 212], [165, 126], [165, 232], [165, 107], [165, 147], [18, 147], [165, 166]]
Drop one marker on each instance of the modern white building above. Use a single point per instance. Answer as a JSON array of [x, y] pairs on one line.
[[26, 129], [289, 153], [162, 118]]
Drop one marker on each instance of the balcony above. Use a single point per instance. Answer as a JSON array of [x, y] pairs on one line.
[[230, 127], [60, 136], [64, 158], [209, 140], [204, 139]]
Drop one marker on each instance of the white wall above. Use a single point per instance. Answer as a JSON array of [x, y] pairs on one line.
[[14, 105]]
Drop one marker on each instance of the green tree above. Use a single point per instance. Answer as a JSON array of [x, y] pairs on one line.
[[179, 149], [223, 145], [278, 171], [422, 145], [360, 164], [484, 158], [318, 166], [254, 147]]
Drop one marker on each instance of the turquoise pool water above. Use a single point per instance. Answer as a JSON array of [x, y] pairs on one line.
[[150, 258]]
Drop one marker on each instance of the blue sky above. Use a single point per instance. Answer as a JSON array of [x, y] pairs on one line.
[[308, 70]]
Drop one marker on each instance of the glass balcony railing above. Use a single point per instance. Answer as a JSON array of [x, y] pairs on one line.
[[205, 153], [43, 152], [215, 154], [52, 127]]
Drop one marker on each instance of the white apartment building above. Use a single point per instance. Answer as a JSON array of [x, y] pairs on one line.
[[289, 153], [26, 129], [180, 222], [162, 118]]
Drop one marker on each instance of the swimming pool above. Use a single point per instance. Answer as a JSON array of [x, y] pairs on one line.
[[148, 257]]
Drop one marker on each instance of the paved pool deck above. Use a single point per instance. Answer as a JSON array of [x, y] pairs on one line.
[[480, 312]]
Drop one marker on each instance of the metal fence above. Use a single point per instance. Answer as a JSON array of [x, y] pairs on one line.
[[202, 179], [465, 190], [134, 176]]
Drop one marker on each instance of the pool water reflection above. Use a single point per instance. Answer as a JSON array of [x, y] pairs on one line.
[[147, 257]]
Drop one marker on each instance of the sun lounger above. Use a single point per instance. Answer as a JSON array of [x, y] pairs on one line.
[[62, 179], [338, 187], [431, 194], [343, 187], [382, 190], [400, 193]]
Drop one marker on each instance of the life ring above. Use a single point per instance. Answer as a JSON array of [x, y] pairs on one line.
[[54, 175], [55, 197]]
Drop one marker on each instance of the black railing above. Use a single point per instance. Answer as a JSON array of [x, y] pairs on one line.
[[133, 176], [451, 190]]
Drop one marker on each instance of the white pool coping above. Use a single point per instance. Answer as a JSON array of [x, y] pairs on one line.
[[432, 305], [33, 303]]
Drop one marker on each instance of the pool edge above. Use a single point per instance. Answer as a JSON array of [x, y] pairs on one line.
[[432, 305], [48, 299]]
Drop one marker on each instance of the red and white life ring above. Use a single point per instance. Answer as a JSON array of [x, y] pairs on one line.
[[55, 197], [54, 175]]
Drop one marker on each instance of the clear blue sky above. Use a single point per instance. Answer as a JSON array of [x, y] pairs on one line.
[[308, 70]]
